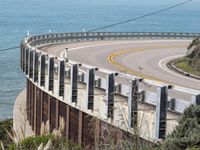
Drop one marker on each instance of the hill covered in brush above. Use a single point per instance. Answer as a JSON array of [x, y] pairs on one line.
[[193, 54]]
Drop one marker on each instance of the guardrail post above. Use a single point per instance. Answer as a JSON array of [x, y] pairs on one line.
[[161, 112], [196, 99], [66, 55], [74, 82], [51, 74], [90, 83], [61, 77], [23, 58], [22, 47], [110, 93], [133, 104], [35, 66], [21, 55], [42, 70], [26, 60], [30, 70]]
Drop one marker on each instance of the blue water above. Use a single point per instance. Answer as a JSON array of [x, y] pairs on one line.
[[16, 17]]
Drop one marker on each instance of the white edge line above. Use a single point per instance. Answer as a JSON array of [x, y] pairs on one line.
[[162, 65]]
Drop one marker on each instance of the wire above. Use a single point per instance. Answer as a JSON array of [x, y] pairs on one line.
[[143, 16], [122, 22], [8, 49]]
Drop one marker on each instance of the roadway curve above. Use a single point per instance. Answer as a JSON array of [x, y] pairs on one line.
[[144, 58]]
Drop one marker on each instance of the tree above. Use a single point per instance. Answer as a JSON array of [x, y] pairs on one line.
[[187, 133]]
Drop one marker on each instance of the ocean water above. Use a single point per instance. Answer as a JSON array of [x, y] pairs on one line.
[[37, 17]]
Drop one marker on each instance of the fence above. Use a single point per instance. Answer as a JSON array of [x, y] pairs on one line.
[[96, 95]]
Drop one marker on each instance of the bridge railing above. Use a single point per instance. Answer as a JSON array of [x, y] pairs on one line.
[[84, 36], [47, 72]]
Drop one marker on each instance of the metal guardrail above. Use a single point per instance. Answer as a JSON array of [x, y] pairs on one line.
[[30, 56], [53, 38], [84, 36]]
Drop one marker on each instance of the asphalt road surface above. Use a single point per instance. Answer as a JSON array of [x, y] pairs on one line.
[[147, 59]]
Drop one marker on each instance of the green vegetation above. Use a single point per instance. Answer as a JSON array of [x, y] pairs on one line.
[[53, 141], [186, 136], [184, 64], [191, 62], [50, 142], [187, 133], [5, 125]]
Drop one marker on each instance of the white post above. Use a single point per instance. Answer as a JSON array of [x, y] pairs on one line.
[[28, 33]]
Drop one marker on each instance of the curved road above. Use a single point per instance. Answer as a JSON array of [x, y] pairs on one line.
[[144, 58]]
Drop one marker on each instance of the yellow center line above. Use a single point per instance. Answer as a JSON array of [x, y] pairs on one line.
[[112, 56]]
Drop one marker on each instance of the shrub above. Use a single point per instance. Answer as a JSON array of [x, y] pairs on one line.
[[4, 137], [187, 133], [55, 143]]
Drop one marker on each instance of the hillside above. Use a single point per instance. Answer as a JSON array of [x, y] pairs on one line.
[[191, 62], [193, 54]]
